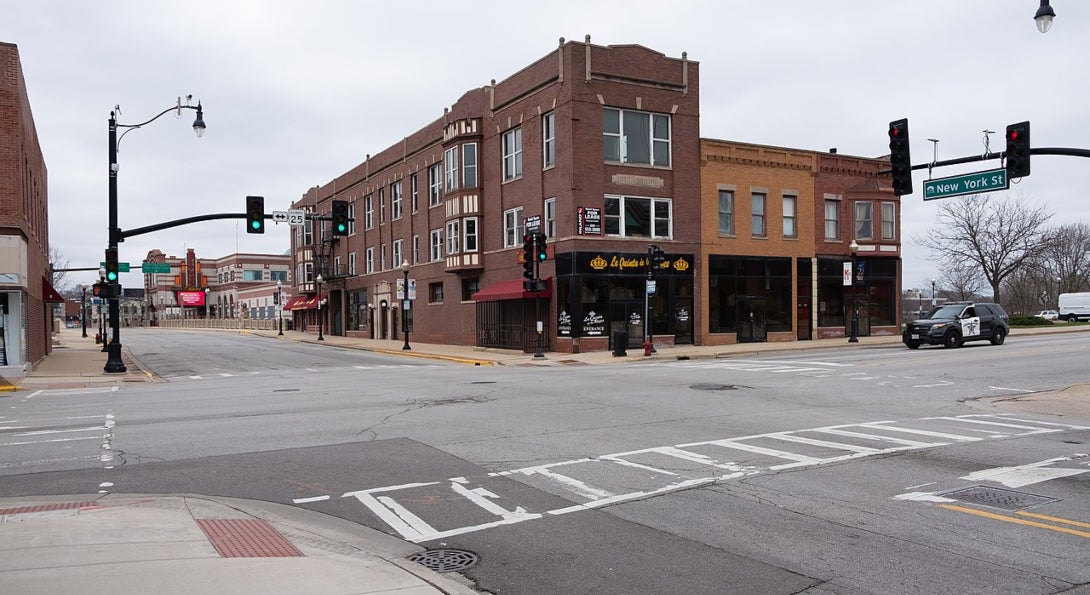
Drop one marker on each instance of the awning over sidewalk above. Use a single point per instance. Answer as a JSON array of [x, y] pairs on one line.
[[511, 290], [49, 294], [304, 302]]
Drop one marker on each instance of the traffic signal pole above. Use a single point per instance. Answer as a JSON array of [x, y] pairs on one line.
[[114, 365]]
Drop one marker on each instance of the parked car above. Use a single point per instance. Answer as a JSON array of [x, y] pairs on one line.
[[1075, 306], [1048, 314], [953, 324]]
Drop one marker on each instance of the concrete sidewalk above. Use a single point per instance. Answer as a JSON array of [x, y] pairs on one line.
[[174, 544]]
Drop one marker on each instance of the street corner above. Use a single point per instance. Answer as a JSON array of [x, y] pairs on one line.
[[1070, 402]]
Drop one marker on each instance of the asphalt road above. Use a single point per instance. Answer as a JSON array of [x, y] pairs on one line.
[[873, 470]]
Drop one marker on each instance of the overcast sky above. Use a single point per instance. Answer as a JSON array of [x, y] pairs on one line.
[[296, 93]]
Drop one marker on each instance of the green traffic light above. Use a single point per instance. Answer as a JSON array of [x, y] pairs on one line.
[[111, 277], [340, 228], [255, 224]]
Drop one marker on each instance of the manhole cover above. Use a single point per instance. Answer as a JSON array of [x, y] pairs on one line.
[[713, 386], [998, 498], [445, 560]]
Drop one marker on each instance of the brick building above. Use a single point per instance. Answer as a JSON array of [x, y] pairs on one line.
[[596, 146], [26, 316]]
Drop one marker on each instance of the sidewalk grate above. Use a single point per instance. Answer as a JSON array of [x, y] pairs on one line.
[[47, 507], [998, 498], [247, 538]]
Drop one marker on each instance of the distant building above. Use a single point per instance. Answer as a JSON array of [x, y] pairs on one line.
[[26, 316]]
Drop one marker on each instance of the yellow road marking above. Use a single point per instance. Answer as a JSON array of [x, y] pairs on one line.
[[1054, 519], [1009, 519]]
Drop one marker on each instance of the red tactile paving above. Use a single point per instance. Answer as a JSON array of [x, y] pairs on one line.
[[247, 538], [47, 507]]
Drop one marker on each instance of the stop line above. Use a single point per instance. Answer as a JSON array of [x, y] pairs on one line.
[[417, 510]]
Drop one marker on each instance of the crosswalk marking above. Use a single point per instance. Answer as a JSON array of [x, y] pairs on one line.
[[590, 481], [304, 370]]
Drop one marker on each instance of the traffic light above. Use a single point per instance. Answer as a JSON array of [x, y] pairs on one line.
[[658, 257], [540, 251], [255, 214], [340, 217], [899, 158], [111, 265], [1018, 150], [528, 255]]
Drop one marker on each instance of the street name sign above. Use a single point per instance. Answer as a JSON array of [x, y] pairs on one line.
[[122, 267], [154, 267], [981, 181]]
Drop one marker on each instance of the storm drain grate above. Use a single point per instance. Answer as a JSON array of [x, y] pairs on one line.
[[998, 498], [445, 560]]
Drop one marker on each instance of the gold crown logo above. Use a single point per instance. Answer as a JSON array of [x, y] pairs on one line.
[[598, 263], [681, 265]]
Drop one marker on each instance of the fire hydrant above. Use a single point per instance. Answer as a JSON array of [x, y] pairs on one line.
[[647, 347]]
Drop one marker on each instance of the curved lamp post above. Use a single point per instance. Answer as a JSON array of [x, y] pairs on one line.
[[113, 358], [854, 247], [319, 280], [405, 304]]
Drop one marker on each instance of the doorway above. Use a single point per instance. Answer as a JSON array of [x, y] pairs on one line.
[[752, 319], [627, 317]]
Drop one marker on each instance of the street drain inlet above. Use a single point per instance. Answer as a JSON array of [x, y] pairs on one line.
[[713, 386], [998, 498], [445, 560]]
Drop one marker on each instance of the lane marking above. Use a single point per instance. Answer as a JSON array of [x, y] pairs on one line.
[[1053, 519], [1017, 521]]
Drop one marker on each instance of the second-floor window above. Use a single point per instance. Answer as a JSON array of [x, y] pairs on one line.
[[512, 228], [512, 154], [454, 235], [368, 211], [832, 219], [469, 234], [550, 217], [863, 221], [637, 217], [398, 244], [636, 137], [395, 200], [435, 185], [889, 221], [790, 229], [435, 245], [726, 212], [369, 261], [757, 214], [548, 139], [450, 169]]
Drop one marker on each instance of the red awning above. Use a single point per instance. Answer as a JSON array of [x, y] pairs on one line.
[[49, 294], [294, 303], [510, 290], [305, 302]]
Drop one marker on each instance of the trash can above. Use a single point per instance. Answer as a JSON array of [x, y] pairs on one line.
[[620, 343]]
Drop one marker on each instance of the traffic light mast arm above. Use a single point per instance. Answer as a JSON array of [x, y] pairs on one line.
[[1065, 151], [122, 234]]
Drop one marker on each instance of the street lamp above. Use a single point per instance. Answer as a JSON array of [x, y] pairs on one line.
[[280, 306], [207, 308], [113, 357], [854, 247], [405, 305], [934, 302], [1058, 281], [83, 308], [318, 279], [1044, 17]]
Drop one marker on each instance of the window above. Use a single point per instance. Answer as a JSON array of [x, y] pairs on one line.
[[381, 205], [416, 248], [382, 257], [370, 261], [308, 232], [435, 185], [550, 217], [395, 200], [351, 263], [278, 275], [548, 140], [636, 137], [414, 190], [470, 234], [435, 245], [757, 214], [469, 165], [397, 253], [863, 215], [726, 212], [889, 221], [512, 154], [450, 169], [635, 217], [337, 265], [790, 230], [368, 211], [251, 275], [512, 228], [832, 219], [435, 292], [454, 236], [470, 287]]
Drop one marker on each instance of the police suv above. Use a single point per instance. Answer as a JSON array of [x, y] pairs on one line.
[[953, 324]]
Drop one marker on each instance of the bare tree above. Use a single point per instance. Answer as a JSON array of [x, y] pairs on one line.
[[1068, 258], [997, 236], [962, 280], [57, 262]]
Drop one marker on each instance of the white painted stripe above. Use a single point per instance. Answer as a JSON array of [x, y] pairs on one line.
[[890, 439], [1024, 475], [569, 483], [1035, 429], [311, 499], [638, 495], [48, 432], [414, 523], [625, 463], [834, 445], [48, 441], [1043, 423], [409, 526], [957, 437], [922, 497], [780, 454]]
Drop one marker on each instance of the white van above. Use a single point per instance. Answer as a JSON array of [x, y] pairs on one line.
[[1075, 306]]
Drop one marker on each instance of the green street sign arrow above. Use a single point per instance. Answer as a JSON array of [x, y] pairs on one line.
[[981, 181]]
